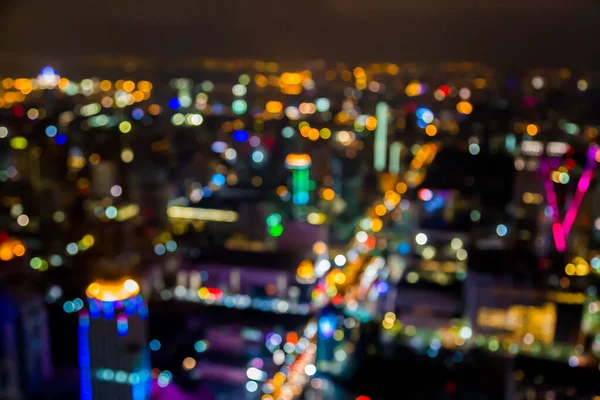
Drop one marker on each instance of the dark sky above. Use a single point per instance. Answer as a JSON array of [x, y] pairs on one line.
[[509, 32]]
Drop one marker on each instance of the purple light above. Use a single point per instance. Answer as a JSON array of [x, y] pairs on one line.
[[122, 325], [258, 363], [382, 287]]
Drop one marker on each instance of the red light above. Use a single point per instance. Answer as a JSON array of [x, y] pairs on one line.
[[291, 337], [337, 299], [215, 292], [3, 236], [410, 108], [425, 194], [371, 242], [363, 398], [450, 387], [269, 142], [570, 163], [18, 111], [445, 89]]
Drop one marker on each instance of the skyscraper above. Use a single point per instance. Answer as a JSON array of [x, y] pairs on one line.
[[299, 164], [25, 364], [113, 352]]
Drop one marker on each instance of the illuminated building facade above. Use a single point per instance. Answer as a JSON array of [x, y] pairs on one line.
[[523, 314], [9, 370], [113, 352], [26, 366], [299, 164]]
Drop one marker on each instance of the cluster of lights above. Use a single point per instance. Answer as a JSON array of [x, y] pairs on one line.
[[580, 267], [109, 375], [10, 248], [274, 225], [216, 297], [461, 339], [297, 360], [41, 264]]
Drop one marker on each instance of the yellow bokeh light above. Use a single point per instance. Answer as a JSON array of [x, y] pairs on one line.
[[274, 107], [339, 278], [581, 269], [261, 80], [105, 85], [94, 158], [304, 130], [138, 96], [480, 83], [88, 240], [328, 194], [63, 83], [570, 269], [314, 218], [413, 89], [8, 83], [188, 363], [282, 191], [154, 109], [128, 86], [359, 72], [127, 155], [380, 210], [125, 127], [319, 248], [401, 187], [6, 253], [393, 69], [387, 324], [298, 161], [431, 130], [113, 290], [464, 107], [325, 133], [376, 224], [305, 270], [144, 86], [18, 250], [371, 123], [532, 129]]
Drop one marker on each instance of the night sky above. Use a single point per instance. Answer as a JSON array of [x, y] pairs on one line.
[[506, 32]]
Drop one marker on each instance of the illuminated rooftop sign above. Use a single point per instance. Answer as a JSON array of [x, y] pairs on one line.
[[202, 214], [113, 290]]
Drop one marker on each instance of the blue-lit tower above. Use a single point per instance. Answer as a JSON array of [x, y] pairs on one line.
[[113, 348]]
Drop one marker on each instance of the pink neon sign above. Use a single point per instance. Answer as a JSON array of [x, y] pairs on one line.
[[560, 230]]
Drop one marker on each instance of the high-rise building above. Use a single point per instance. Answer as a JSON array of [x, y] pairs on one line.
[[299, 164], [25, 365], [113, 351]]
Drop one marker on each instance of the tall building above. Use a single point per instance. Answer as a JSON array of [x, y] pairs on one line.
[[299, 164], [113, 351], [25, 365], [9, 371]]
